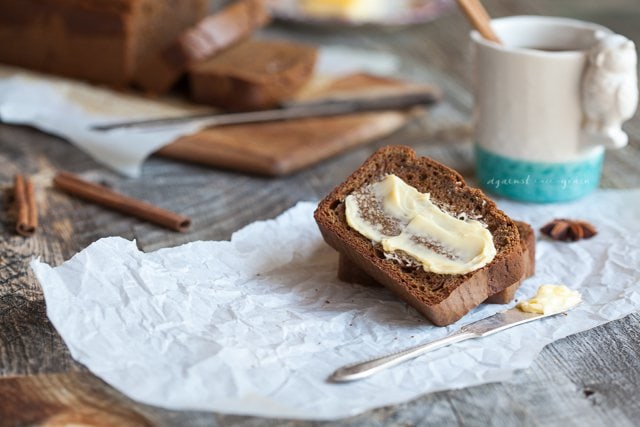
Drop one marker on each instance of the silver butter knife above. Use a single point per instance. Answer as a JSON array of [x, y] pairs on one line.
[[298, 110], [482, 328]]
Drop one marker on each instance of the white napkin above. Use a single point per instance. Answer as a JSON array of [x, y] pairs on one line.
[[255, 325], [69, 108]]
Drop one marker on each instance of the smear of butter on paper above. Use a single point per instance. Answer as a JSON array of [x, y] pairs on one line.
[[551, 299]]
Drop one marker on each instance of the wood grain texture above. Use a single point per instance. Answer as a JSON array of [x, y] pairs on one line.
[[80, 399], [592, 378]]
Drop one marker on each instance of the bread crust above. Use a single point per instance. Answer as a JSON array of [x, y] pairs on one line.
[[443, 299]]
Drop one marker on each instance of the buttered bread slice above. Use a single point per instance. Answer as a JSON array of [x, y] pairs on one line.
[[414, 226], [351, 273]]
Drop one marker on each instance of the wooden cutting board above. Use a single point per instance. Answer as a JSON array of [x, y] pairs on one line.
[[279, 148]]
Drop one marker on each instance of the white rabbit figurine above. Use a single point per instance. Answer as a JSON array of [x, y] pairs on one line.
[[609, 89]]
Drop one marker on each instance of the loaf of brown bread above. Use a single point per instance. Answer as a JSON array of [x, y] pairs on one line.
[[103, 41], [351, 273], [207, 38], [253, 75], [442, 298]]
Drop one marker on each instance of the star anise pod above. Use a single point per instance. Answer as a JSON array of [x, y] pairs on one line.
[[569, 230]]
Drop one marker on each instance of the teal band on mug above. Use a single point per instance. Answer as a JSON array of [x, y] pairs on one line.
[[540, 182]]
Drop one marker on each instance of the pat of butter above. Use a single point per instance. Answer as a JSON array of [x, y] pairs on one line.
[[402, 219], [551, 299], [352, 9]]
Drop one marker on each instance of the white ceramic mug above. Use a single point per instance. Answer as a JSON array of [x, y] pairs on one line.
[[545, 105]]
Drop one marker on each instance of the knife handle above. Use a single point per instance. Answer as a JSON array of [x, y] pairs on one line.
[[362, 370]]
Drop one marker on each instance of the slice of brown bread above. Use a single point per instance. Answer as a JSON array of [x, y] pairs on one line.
[[528, 242], [351, 273], [255, 74], [442, 298]]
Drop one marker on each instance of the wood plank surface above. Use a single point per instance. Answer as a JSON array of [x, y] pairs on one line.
[[592, 378]]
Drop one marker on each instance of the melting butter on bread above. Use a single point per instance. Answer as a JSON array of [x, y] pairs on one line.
[[351, 273], [442, 298]]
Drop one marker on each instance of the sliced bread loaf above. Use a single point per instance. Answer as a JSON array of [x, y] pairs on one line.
[[207, 38], [442, 298], [102, 41]]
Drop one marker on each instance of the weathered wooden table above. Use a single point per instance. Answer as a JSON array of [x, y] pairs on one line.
[[592, 378]]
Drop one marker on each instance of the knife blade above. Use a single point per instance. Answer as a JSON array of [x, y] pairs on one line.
[[331, 107], [482, 328]]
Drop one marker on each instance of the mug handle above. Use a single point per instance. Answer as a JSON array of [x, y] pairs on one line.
[[609, 90]]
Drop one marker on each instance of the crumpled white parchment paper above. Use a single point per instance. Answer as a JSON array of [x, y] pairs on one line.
[[255, 325], [69, 108]]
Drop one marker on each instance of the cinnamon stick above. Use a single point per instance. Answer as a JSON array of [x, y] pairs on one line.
[[25, 201], [98, 194], [479, 18]]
